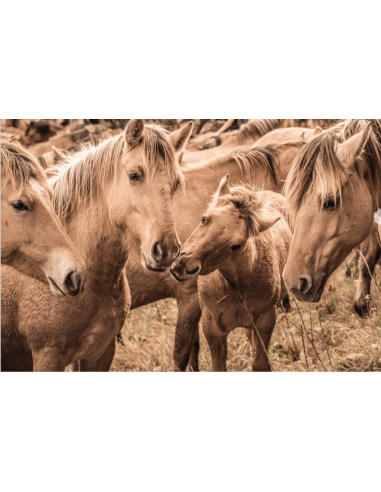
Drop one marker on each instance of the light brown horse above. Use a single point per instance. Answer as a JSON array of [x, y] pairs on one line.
[[108, 197], [263, 167], [334, 188], [32, 239], [251, 132], [247, 135], [239, 250]]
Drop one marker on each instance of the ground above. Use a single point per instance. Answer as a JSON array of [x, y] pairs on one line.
[[328, 336]]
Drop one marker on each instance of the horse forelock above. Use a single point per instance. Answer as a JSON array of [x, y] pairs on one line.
[[20, 166], [84, 176], [158, 148], [316, 169], [251, 204]]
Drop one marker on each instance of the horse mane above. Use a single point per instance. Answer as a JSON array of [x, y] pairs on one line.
[[85, 175], [20, 165], [249, 160], [252, 204], [318, 165], [256, 129]]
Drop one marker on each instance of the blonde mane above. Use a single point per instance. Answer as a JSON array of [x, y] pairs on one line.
[[317, 165], [257, 129], [84, 176], [248, 160], [20, 166], [252, 204]]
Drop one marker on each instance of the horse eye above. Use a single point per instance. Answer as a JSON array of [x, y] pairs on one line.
[[236, 248], [331, 203], [19, 206], [203, 220], [177, 185], [134, 177]]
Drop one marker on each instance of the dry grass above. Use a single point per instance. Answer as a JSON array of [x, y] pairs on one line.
[[324, 337]]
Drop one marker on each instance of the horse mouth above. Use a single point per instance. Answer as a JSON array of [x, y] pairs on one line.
[[320, 291], [148, 266], [182, 280], [311, 296], [187, 275]]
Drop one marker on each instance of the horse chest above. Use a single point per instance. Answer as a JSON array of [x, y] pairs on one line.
[[105, 325]]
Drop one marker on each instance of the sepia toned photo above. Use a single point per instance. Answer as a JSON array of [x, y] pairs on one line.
[[198, 245]]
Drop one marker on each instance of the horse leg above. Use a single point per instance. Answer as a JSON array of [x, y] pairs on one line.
[[48, 360], [218, 345], [371, 252], [187, 325], [286, 303], [193, 359], [103, 363], [261, 341]]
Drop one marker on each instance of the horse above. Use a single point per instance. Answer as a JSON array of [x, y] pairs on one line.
[[250, 133], [266, 167], [247, 135], [238, 251], [333, 190], [370, 254], [111, 198], [32, 239]]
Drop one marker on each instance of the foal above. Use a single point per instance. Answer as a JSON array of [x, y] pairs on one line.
[[239, 249], [32, 239], [108, 197]]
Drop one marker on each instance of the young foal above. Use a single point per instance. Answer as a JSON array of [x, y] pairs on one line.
[[32, 239], [107, 197], [239, 249], [333, 191]]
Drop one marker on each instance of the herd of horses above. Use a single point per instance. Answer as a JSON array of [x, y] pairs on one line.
[[229, 231]]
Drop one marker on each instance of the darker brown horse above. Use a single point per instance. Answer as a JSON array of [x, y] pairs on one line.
[[263, 167]]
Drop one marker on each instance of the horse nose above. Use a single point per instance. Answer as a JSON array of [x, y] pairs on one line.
[[305, 284], [74, 283]]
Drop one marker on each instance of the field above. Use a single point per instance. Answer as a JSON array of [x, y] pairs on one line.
[[328, 336]]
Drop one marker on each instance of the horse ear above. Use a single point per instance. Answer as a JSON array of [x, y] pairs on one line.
[[268, 221], [224, 188], [58, 153], [318, 131], [133, 133], [348, 151], [181, 137]]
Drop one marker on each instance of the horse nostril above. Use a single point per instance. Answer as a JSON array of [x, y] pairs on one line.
[[158, 252], [176, 253], [73, 283], [305, 284]]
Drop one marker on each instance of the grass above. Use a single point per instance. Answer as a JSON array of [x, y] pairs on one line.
[[328, 336]]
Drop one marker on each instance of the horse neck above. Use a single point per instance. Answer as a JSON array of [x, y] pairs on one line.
[[204, 181], [102, 245], [238, 270]]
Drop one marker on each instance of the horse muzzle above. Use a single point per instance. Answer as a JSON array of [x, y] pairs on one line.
[[71, 285], [305, 288], [161, 257], [183, 270]]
